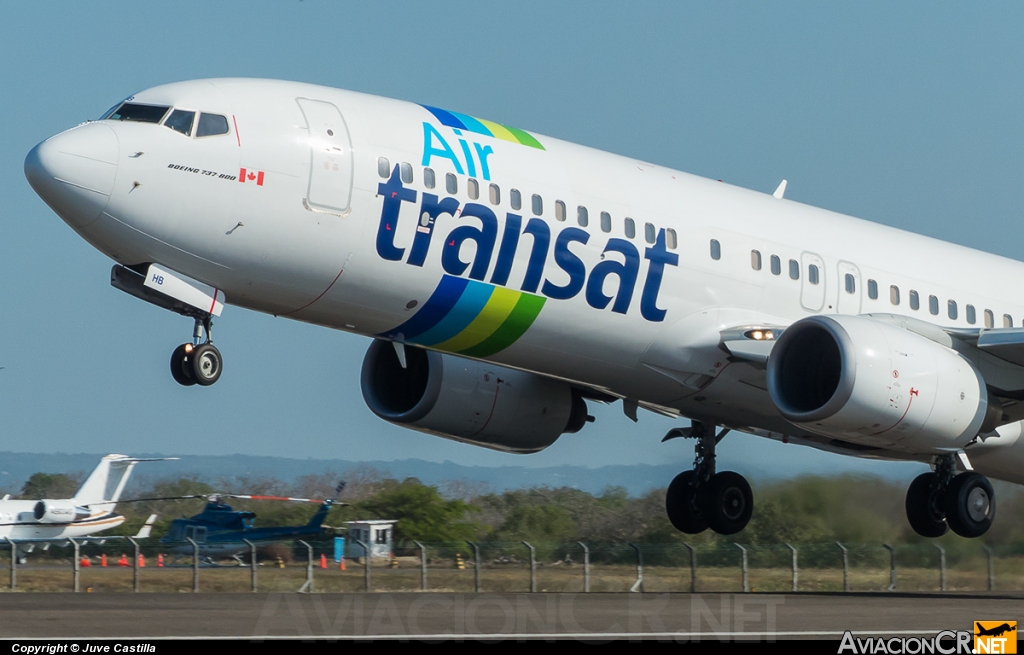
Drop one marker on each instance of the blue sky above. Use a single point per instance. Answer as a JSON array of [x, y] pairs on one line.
[[905, 114]]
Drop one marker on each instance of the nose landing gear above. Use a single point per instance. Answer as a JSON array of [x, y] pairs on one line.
[[701, 498], [198, 362]]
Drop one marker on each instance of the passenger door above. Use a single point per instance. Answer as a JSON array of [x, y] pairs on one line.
[[330, 171]]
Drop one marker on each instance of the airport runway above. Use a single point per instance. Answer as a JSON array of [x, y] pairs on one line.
[[598, 616]]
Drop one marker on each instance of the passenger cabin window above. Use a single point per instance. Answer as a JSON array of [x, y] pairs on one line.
[[130, 111], [538, 205], [383, 167], [451, 184], [990, 319], [181, 121], [812, 274], [649, 234], [915, 300], [559, 211], [630, 228], [933, 305], [495, 194], [1007, 321], [794, 269], [428, 178], [670, 239], [473, 188], [972, 316], [716, 250], [515, 199], [872, 289], [211, 125], [851, 283], [582, 216], [606, 222], [776, 265], [951, 309], [894, 294], [755, 260], [405, 169]]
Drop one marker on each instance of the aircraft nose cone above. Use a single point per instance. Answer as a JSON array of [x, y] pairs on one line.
[[73, 172]]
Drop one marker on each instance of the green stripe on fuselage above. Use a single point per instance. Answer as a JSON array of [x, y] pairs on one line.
[[518, 322]]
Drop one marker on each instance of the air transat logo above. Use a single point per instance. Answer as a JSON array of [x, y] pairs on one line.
[[469, 160], [470, 318]]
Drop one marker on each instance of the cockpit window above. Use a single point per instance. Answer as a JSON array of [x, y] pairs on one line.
[[181, 121], [130, 111], [212, 124]]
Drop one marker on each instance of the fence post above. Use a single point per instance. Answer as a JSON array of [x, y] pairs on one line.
[[135, 564], [77, 563], [307, 586], [743, 564], [366, 565], [846, 566], [195, 564], [533, 568], [476, 566], [252, 563], [795, 569], [693, 568], [988, 552], [942, 567], [423, 565], [586, 567], [892, 567], [14, 564], [639, 584]]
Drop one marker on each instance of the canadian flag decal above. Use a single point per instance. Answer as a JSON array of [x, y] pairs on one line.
[[251, 176]]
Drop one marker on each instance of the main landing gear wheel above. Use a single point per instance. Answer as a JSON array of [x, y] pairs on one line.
[[970, 504], [681, 505], [181, 367], [925, 510], [727, 502]]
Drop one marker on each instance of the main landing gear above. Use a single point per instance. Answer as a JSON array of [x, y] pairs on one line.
[[198, 362], [701, 498], [943, 500]]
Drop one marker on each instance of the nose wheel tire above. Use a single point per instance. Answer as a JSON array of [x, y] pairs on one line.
[[925, 506], [970, 504], [181, 367], [206, 364], [727, 502], [681, 506]]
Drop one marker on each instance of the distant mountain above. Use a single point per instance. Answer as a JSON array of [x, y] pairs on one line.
[[15, 469]]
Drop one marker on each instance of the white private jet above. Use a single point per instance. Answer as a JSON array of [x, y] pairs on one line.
[[507, 277], [91, 509]]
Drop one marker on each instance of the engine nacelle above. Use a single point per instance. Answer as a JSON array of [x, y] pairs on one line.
[[470, 401], [58, 511], [864, 381]]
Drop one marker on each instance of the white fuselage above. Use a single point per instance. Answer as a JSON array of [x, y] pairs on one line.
[[633, 313], [17, 521]]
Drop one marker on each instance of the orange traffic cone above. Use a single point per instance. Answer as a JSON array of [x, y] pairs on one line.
[[160, 559], [123, 561], [103, 559], [341, 565], [85, 562], [142, 561], [323, 561]]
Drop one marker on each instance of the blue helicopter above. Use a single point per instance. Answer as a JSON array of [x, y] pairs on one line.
[[220, 531]]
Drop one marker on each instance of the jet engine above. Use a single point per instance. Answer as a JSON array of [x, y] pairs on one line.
[[469, 401], [58, 511], [871, 383]]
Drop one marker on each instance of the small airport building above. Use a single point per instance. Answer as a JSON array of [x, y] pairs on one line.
[[377, 534]]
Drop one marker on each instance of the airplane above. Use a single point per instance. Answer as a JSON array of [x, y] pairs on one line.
[[997, 631], [91, 509], [507, 278], [221, 531]]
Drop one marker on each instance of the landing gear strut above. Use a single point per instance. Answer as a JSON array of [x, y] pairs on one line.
[[944, 500], [198, 362], [701, 498]]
